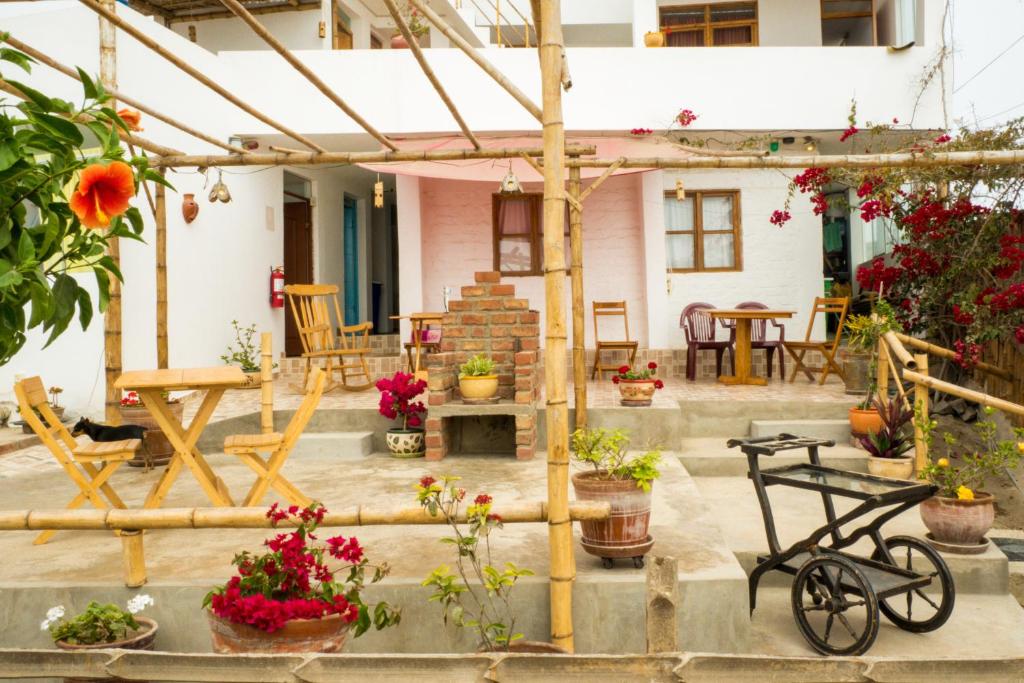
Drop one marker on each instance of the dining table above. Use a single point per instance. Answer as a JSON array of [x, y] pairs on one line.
[[418, 322], [152, 387], [743, 354]]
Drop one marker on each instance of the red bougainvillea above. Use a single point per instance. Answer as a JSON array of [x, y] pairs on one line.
[[396, 398]]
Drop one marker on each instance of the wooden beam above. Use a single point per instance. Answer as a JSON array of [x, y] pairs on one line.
[[897, 160], [196, 74], [959, 391], [417, 52], [579, 354], [949, 354], [473, 54], [601, 178], [162, 350], [340, 158], [563, 570], [255, 11], [278, 47]]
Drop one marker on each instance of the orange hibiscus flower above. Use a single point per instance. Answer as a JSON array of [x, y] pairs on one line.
[[103, 193], [131, 117]]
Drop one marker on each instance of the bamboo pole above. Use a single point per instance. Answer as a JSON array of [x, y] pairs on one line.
[[417, 52], [562, 571], [920, 412], [339, 158], [266, 383], [942, 352], [896, 160], [968, 394], [278, 47], [882, 373], [897, 348], [899, 385], [134, 558], [156, 47], [579, 354], [162, 351], [474, 55], [119, 96], [601, 178]]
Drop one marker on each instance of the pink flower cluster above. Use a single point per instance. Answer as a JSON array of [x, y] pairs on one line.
[[849, 133], [396, 398], [685, 117], [779, 218], [640, 131], [270, 614]]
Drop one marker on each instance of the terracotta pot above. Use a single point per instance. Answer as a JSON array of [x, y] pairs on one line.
[[856, 370], [654, 39], [399, 42], [405, 443], [142, 640], [253, 380], [630, 515], [636, 392], [864, 422], [959, 522], [155, 444], [297, 636], [189, 207], [893, 468], [478, 387]]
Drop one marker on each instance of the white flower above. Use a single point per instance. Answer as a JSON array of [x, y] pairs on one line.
[[53, 615], [139, 603]]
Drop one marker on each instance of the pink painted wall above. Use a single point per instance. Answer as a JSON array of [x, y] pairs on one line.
[[457, 241]]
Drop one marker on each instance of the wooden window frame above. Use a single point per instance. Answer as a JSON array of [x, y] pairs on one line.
[[709, 27], [871, 14], [698, 231], [536, 234]]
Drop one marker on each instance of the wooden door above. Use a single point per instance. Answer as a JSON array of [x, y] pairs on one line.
[[298, 262]]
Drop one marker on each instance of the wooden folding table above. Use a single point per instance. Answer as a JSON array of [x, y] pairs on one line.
[[151, 385], [419, 321], [742, 358]]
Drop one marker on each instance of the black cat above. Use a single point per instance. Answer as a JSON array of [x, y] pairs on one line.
[[101, 433]]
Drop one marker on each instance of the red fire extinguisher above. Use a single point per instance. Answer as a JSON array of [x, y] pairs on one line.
[[277, 287]]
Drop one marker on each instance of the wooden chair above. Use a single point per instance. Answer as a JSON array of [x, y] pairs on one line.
[[699, 331], [89, 466], [611, 308], [268, 472], [798, 349], [309, 304], [759, 336]]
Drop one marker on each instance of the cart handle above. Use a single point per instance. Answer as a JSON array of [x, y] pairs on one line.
[[733, 443]]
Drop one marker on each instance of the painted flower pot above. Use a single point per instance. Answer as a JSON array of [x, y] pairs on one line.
[[893, 468], [864, 422], [478, 387], [327, 634], [142, 639], [156, 450], [637, 392], [959, 522], [654, 39], [630, 517], [405, 443], [399, 42]]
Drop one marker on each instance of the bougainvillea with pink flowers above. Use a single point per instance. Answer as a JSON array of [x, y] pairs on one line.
[[396, 399], [294, 580]]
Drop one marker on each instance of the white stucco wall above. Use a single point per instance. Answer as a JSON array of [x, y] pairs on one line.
[[297, 30]]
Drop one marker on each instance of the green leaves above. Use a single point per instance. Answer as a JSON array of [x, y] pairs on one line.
[[99, 623], [607, 451]]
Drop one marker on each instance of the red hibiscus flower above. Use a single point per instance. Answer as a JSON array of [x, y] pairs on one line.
[[103, 193]]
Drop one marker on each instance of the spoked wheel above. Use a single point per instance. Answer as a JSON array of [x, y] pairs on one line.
[[835, 606], [922, 609]]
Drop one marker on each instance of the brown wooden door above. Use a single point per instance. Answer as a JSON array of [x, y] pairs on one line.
[[298, 262]]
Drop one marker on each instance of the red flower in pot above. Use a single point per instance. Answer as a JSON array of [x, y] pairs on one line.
[[637, 387]]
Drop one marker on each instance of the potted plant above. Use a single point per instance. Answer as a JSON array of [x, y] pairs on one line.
[[478, 596], [861, 364], [888, 446], [103, 626], [622, 480], [477, 381], [246, 356], [654, 39], [396, 402], [157, 449], [637, 387], [416, 27], [288, 600], [960, 514], [55, 405]]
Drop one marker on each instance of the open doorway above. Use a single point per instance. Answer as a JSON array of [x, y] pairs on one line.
[[298, 248]]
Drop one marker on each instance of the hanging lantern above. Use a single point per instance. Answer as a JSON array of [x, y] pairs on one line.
[[680, 191], [378, 193], [219, 192], [510, 183]]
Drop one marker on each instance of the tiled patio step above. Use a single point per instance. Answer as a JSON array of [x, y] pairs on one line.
[[709, 457], [732, 418], [838, 430], [341, 444]]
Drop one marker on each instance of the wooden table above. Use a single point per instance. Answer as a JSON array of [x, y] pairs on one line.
[[743, 357], [150, 384], [418, 320]]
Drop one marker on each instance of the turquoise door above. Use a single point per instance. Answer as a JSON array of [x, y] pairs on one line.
[[351, 236]]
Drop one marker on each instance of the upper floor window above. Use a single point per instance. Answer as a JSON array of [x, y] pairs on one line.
[[702, 232], [848, 22], [731, 23]]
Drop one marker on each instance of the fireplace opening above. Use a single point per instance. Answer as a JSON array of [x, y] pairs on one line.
[[481, 435]]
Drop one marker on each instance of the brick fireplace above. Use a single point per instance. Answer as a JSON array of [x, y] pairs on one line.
[[488, 319]]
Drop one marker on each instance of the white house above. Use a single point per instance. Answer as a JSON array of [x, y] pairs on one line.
[[794, 68]]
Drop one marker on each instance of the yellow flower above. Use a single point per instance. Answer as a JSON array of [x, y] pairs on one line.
[[964, 493], [1020, 446], [943, 462]]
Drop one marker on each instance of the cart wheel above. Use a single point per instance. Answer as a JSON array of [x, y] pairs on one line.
[[923, 609], [638, 562], [845, 620], [607, 562]]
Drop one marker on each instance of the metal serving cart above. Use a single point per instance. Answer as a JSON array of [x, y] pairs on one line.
[[836, 596]]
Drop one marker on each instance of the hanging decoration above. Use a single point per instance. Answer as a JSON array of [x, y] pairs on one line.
[[510, 183], [680, 190], [378, 193], [219, 191]]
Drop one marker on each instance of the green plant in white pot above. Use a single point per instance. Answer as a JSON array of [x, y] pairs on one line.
[[477, 380]]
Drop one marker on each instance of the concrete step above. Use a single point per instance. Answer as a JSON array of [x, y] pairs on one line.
[[331, 444], [709, 457], [837, 430], [732, 418]]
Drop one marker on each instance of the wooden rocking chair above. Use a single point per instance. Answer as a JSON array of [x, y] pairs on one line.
[[798, 349], [309, 304]]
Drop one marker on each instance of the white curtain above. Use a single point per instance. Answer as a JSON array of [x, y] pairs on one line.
[[514, 225], [679, 249]]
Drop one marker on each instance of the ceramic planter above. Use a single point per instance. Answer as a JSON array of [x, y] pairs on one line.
[[155, 444], [893, 468], [654, 39], [399, 42], [405, 443], [478, 387], [856, 371], [253, 380], [142, 640], [864, 422], [959, 522], [297, 636], [189, 208], [624, 533], [636, 392]]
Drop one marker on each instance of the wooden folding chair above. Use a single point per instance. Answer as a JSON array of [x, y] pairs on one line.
[[309, 304], [611, 308], [798, 349], [268, 472], [81, 467]]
